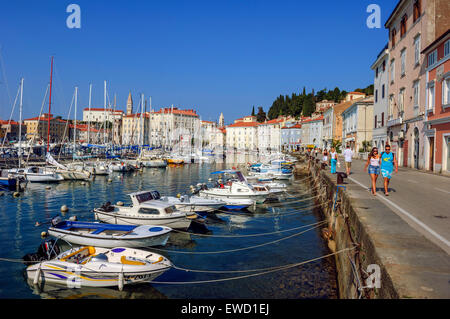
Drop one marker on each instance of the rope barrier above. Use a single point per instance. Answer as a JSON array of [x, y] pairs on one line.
[[253, 275], [250, 235], [237, 249], [302, 209]]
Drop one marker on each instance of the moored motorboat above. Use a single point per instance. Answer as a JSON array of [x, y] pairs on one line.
[[36, 174], [236, 189], [194, 203], [90, 266], [146, 209], [108, 235]]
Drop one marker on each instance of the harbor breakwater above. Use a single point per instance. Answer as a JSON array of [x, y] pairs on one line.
[[378, 254], [359, 270]]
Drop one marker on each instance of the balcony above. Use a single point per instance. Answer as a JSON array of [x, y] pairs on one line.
[[394, 122]]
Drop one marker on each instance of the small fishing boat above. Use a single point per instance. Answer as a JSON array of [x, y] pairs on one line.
[[175, 161], [155, 163], [12, 181], [236, 189], [37, 174], [91, 266], [108, 235], [146, 209], [119, 167], [187, 203]]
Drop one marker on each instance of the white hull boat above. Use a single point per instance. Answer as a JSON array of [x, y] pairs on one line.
[[37, 174], [147, 209], [194, 203], [109, 236], [156, 163], [91, 266]]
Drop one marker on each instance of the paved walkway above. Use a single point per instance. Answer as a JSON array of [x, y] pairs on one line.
[[421, 199]]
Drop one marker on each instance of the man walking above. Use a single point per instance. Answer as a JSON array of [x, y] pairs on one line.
[[348, 155], [388, 162]]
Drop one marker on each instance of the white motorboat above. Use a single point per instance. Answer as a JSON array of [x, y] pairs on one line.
[[36, 174], [97, 168], [91, 266], [194, 203], [146, 209], [119, 167], [108, 235], [156, 163], [237, 189], [73, 171]]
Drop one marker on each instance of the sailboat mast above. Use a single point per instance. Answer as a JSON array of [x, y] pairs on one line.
[[75, 122], [49, 107], [20, 122], [89, 118], [104, 113]]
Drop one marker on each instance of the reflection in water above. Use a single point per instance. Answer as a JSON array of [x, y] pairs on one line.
[[316, 280]]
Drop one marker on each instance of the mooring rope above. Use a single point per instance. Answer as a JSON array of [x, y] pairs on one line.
[[249, 235], [302, 209], [252, 275], [237, 249]]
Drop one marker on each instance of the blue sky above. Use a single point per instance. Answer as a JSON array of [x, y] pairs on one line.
[[214, 56]]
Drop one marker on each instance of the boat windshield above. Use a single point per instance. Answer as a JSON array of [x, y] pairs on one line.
[[145, 197], [170, 209], [240, 177]]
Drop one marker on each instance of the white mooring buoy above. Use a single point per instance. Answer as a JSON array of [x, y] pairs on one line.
[[64, 208]]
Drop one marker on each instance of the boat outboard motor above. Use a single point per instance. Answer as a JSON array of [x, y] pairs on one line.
[[107, 207], [47, 250], [56, 220]]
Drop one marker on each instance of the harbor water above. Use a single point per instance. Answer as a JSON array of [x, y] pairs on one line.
[[217, 245]]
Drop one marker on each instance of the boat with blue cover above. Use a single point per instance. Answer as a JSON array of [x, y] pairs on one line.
[[109, 235]]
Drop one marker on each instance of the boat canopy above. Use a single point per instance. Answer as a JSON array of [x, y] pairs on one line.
[[241, 177], [145, 196]]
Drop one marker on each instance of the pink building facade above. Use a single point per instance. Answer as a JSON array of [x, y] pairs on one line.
[[437, 118]]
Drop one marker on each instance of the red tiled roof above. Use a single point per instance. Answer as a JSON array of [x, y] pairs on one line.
[[138, 115], [2, 122], [168, 110], [244, 124], [293, 126], [103, 110]]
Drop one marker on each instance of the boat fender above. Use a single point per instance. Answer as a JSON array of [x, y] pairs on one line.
[[44, 234], [120, 281], [37, 275], [64, 208]]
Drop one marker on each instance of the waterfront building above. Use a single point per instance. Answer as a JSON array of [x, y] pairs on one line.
[[357, 124], [351, 96], [291, 137], [37, 128], [412, 25], [101, 115], [269, 135], [312, 132], [323, 105], [242, 135], [437, 115], [327, 130], [9, 131], [170, 125], [380, 107], [335, 124], [135, 129]]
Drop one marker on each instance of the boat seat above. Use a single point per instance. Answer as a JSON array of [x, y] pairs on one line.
[[98, 231], [126, 261]]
